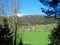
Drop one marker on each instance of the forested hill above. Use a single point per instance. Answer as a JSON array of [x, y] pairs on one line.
[[32, 19]]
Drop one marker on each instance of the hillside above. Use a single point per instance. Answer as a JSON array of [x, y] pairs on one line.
[[37, 19], [31, 20]]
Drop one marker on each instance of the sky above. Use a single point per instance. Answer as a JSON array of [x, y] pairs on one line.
[[30, 7], [27, 7]]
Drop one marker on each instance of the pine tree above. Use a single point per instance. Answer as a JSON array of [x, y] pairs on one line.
[[55, 36], [53, 9], [6, 37]]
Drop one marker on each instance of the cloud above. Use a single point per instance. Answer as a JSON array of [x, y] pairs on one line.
[[20, 15]]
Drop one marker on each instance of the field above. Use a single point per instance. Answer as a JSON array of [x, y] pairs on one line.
[[34, 37]]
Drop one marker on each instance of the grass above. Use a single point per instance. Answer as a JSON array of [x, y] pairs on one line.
[[34, 37]]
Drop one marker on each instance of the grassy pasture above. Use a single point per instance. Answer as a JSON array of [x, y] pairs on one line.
[[35, 37]]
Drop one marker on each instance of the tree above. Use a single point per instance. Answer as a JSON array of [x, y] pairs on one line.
[[55, 36], [6, 37], [53, 9]]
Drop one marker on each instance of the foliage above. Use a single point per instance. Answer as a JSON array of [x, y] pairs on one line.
[[33, 20], [6, 37], [21, 42], [53, 9], [55, 36]]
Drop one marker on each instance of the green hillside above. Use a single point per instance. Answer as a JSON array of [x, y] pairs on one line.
[[30, 20], [35, 19]]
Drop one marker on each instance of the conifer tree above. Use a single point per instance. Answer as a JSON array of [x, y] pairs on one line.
[[53, 9], [6, 37]]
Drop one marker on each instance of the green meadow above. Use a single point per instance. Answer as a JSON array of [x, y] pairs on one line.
[[39, 37]]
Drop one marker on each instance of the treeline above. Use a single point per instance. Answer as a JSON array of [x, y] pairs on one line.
[[31, 20]]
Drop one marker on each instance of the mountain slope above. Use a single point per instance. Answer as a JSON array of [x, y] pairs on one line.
[[31, 20]]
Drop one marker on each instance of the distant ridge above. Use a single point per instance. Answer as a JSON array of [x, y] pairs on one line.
[[32, 19]]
